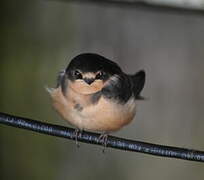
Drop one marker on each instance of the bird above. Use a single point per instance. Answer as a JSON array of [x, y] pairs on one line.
[[94, 94]]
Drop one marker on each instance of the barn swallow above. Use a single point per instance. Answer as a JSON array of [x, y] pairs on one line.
[[93, 93]]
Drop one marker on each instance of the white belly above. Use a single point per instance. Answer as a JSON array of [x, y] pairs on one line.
[[106, 115]]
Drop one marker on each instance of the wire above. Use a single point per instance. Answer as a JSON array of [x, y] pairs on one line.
[[92, 138]]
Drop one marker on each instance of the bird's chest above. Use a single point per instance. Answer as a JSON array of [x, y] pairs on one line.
[[103, 115]]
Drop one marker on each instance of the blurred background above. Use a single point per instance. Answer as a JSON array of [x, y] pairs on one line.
[[38, 39]]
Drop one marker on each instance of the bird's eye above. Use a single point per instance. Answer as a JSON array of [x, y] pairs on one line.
[[77, 75], [100, 75]]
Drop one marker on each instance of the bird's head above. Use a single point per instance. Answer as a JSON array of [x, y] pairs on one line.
[[88, 73]]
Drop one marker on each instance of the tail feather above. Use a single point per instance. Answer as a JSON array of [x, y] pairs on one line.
[[138, 82]]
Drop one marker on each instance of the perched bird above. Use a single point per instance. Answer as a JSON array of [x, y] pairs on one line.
[[93, 93]]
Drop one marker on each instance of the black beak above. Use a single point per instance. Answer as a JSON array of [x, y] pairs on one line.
[[89, 80]]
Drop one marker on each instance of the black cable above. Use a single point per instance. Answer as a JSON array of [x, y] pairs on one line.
[[92, 138]]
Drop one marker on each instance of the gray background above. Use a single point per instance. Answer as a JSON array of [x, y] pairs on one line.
[[39, 38]]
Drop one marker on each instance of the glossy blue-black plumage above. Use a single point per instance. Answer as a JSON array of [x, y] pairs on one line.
[[121, 90], [90, 62]]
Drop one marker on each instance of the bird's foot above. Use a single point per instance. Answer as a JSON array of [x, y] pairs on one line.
[[103, 138], [77, 134]]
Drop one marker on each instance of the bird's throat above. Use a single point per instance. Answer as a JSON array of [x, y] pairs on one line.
[[83, 88]]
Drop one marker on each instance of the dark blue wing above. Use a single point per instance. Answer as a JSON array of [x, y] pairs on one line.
[[119, 89]]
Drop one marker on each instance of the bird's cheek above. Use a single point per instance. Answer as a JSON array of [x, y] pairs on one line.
[[97, 85]]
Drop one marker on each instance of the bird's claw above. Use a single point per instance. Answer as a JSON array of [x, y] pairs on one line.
[[77, 134], [103, 138]]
